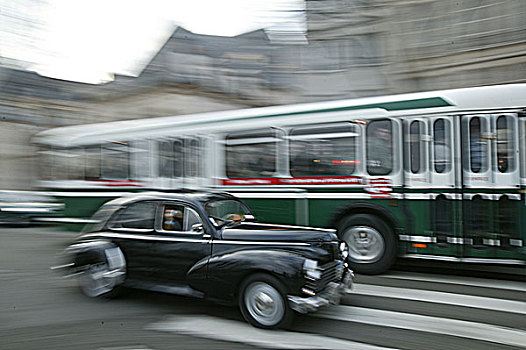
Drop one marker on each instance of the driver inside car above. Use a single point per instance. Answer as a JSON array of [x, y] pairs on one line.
[[173, 220]]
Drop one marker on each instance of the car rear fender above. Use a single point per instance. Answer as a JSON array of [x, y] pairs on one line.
[[81, 254]]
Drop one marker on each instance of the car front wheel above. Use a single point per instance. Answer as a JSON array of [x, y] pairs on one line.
[[263, 302]]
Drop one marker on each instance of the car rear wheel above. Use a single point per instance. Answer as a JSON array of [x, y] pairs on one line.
[[100, 280], [263, 302]]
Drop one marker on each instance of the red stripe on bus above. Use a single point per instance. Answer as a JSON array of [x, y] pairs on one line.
[[311, 180]]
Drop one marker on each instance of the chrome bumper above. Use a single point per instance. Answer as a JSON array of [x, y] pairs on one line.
[[332, 294]]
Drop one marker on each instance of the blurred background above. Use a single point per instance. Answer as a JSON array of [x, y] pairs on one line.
[[65, 63]]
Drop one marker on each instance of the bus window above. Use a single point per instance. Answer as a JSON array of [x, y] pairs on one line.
[[165, 159], [177, 159], [323, 150], [251, 155], [379, 135], [441, 145], [415, 152], [477, 146], [192, 152], [115, 161], [505, 146]]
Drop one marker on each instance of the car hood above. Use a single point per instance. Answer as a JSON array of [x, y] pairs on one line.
[[277, 233]]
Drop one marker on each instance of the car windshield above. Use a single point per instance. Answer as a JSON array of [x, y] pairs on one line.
[[220, 211]]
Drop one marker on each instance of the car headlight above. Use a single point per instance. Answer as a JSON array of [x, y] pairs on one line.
[[311, 270], [344, 250]]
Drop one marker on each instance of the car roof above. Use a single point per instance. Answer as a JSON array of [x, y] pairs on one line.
[[196, 197]]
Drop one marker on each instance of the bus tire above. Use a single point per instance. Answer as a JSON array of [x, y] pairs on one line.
[[372, 244]]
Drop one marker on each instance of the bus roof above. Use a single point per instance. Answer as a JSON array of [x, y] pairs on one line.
[[476, 98]]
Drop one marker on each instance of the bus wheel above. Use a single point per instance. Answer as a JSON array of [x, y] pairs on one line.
[[372, 244]]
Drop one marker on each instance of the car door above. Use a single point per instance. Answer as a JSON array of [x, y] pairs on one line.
[[180, 241], [132, 228]]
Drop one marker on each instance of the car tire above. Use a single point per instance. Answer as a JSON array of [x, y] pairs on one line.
[[372, 244], [263, 302], [98, 280]]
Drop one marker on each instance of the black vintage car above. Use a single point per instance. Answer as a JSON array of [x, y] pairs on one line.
[[209, 245]]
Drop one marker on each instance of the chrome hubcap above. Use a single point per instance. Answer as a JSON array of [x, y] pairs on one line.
[[264, 303], [366, 245], [95, 280]]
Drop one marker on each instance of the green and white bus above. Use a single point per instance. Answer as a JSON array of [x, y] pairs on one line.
[[431, 175]]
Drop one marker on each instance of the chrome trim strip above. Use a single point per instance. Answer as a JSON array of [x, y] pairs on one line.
[[455, 240], [491, 242], [430, 257], [513, 196], [516, 242], [410, 238], [220, 241], [292, 227], [470, 260], [494, 261], [178, 239], [152, 237]]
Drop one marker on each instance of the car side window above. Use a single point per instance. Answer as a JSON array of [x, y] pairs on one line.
[[178, 217], [173, 217], [137, 216]]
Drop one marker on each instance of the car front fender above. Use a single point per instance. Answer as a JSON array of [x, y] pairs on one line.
[[226, 272]]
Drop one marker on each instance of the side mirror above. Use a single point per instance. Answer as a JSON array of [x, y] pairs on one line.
[[197, 228]]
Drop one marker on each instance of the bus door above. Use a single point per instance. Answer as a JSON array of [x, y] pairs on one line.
[[429, 178], [170, 164], [192, 150], [491, 192]]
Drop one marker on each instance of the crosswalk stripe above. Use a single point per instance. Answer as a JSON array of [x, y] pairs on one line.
[[512, 306], [240, 332], [444, 326], [465, 281]]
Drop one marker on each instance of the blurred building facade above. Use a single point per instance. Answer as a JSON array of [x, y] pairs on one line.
[[355, 48]]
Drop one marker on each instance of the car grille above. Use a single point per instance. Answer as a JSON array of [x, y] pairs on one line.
[[332, 249], [330, 272]]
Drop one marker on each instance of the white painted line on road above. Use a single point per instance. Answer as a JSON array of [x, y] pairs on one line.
[[457, 328], [209, 327], [130, 347], [517, 307], [465, 281]]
